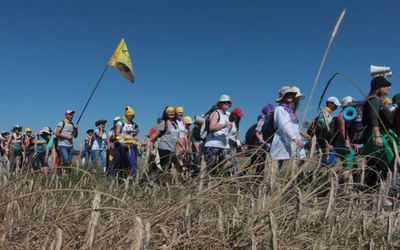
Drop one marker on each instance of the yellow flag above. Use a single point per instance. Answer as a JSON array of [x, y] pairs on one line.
[[122, 61]]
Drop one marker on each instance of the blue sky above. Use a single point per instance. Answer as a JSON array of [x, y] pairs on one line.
[[184, 53]]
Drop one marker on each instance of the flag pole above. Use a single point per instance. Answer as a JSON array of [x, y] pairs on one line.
[[87, 103]]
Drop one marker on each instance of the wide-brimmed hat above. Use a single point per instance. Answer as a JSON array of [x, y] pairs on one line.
[[5, 133], [283, 91], [16, 127], [224, 98], [334, 100], [298, 93], [90, 131], [101, 121], [46, 130], [345, 101]]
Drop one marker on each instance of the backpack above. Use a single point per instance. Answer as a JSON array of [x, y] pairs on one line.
[[200, 132], [55, 138], [353, 116], [250, 136], [268, 129], [321, 130]]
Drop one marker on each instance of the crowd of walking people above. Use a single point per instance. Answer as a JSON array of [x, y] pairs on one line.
[[172, 145]]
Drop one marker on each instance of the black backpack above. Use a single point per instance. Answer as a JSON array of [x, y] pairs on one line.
[[356, 128], [268, 129], [200, 132], [250, 136]]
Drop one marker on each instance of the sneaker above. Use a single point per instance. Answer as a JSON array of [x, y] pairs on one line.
[[387, 203]]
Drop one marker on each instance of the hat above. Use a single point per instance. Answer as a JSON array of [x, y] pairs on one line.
[[379, 82], [388, 101], [267, 109], [16, 127], [5, 133], [179, 110], [346, 100], [117, 118], [396, 97], [259, 117], [298, 93], [101, 121], [128, 111], [89, 130], [187, 120], [46, 130], [283, 91], [334, 100], [169, 108], [224, 98], [28, 130], [238, 112], [69, 112]]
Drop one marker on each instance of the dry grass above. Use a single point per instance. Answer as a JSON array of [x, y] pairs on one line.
[[278, 211]]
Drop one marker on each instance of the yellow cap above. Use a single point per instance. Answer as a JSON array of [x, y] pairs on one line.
[[187, 120], [129, 111], [28, 130], [169, 109], [179, 109]]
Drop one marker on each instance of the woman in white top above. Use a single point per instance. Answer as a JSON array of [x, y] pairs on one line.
[[287, 143], [216, 146], [125, 148], [99, 145]]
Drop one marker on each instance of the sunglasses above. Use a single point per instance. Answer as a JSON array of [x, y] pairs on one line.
[[227, 102]]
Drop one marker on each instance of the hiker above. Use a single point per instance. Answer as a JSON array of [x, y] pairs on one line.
[[3, 147], [328, 152], [182, 146], [86, 153], [286, 143], [382, 142], [42, 150], [233, 139], [216, 146], [396, 119], [111, 139], [299, 96], [259, 157], [16, 149], [99, 145], [65, 132], [30, 146], [125, 155], [345, 150], [168, 134], [189, 160]]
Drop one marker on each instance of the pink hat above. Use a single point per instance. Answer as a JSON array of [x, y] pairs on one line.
[[238, 112]]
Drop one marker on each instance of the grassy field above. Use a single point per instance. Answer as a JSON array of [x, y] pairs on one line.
[[273, 211]]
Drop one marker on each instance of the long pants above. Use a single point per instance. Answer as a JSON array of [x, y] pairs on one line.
[[125, 155]]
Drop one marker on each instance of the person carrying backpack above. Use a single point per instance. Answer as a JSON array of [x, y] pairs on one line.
[[168, 134], [286, 143], [98, 145], [65, 132], [345, 150], [15, 149], [381, 143], [329, 155], [125, 155], [216, 146]]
